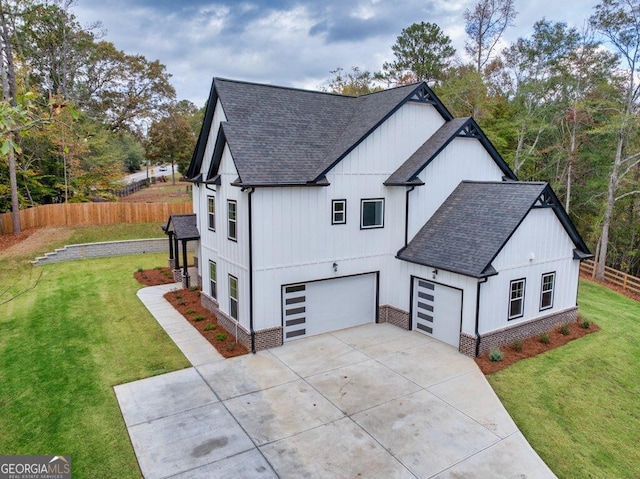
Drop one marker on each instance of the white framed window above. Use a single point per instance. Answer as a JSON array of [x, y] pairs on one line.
[[232, 220], [233, 297], [546, 290], [211, 212], [338, 212], [516, 298], [372, 213], [213, 279]]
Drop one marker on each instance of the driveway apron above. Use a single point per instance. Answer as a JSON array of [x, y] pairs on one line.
[[372, 401]]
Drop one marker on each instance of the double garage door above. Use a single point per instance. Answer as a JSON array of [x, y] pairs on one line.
[[437, 311], [328, 305]]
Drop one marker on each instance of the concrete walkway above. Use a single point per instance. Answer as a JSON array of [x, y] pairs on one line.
[[372, 401]]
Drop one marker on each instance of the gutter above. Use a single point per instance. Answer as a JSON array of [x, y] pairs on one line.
[[406, 217], [478, 315], [251, 330]]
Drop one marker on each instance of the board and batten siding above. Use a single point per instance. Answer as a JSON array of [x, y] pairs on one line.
[[392, 143], [463, 159], [540, 245], [231, 257], [218, 116]]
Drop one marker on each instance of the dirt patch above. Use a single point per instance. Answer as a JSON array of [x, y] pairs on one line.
[[533, 346], [161, 193], [31, 242], [187, 303]]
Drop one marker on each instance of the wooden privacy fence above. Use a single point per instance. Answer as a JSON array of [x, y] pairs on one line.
[[626, 281], [70, 214]]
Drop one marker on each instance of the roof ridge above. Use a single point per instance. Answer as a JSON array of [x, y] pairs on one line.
[[500, 182], [281, 87]]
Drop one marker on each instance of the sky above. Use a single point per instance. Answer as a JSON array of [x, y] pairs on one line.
[[287, 42]]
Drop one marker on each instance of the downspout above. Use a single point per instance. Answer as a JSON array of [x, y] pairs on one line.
[[406, 217], [251, 330], [478, 316]]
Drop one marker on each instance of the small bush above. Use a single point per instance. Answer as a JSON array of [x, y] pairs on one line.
[[198, 317], [221, 336], [517, 345], [544, 338], [585, 324], [140, 270], [193, 288], [190, 311], [181, 302], [210, 327], [231, 346], [495, 355], [564, 330]]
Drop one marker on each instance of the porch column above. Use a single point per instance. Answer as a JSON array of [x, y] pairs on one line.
[[177, 252], [185, 271], [171, 254]]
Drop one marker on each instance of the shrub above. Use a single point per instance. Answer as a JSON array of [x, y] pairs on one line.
[[495, 355], [585, 324], [221, 336], [210, 327], [190, 311], [198, 317], [544, 338], [181, 302], [517, 345], [231, 346], [193, 288], [564, 330], [140, 270]]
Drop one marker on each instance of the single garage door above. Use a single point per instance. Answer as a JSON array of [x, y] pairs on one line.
[[437, 311], [328, 305]]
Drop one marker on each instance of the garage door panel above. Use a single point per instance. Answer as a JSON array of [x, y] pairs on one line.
[[328, 305], [437, 311]]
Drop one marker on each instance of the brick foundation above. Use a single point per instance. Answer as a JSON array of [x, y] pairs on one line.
[[520, 331], [395, 316], [177, 275], [264, 338], [171, 263]]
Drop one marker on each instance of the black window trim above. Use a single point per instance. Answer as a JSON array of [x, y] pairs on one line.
[[333, 212], [231, 298], [362, 202], [524, 288], [213, 281], [234, 221], [553, 289], [209, 214]]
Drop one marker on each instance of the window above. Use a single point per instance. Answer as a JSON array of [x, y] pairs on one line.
[[516, 299], [211, 209], [338, 212], [546, 291], [232, 232], [213, 279], [372, 213], [233, 297]]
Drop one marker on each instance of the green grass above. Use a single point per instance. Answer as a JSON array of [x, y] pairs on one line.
[[63, 346], [579, 405], [115, 232]]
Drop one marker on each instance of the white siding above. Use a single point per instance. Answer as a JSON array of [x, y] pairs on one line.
[[390, 145], [541, 237], [462, 159], [218, 116]]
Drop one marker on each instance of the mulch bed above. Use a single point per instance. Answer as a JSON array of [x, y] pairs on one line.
[[187, 303], [533, 346]]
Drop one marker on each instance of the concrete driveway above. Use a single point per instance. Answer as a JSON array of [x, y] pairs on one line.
[[372, 401]]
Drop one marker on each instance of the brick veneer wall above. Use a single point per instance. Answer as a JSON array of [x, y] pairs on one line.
[[467, 345], [264, 338], [508, 335], [395, 316]]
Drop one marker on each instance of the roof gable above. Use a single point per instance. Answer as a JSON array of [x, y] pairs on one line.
[[184, 227], [407, 173], [283, 136], [475, 222]]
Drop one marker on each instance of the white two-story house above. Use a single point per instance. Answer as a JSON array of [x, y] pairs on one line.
[[319, 212]]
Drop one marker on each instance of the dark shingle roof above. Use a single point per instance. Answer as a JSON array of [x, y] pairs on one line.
[[184, 226], [470, 228], [407, 173], [285, 136]]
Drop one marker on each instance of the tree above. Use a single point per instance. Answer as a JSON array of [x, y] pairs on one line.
[[171, 139], [423, 52], [618, 21], [355, 82], [485, 25]]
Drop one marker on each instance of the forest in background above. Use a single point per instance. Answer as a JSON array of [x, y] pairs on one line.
[[560, 105]]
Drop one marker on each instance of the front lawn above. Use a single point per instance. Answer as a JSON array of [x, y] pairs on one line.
[[579, 405], [63, 346]]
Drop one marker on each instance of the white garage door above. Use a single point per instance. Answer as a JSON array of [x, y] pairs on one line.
[[437, 311], [328, 305]]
